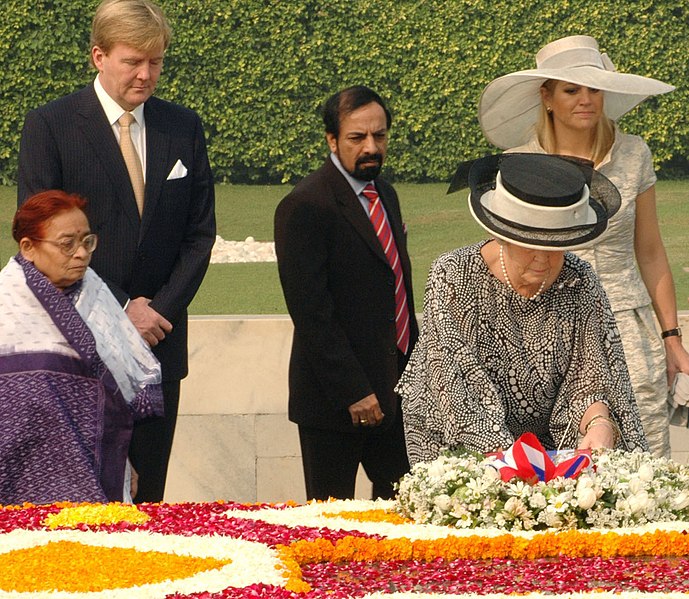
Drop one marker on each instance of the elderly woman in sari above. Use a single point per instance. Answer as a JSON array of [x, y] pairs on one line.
[[74, 372], [518, 335]]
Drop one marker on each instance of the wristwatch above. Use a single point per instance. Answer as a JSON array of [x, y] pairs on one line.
[[671, 333]]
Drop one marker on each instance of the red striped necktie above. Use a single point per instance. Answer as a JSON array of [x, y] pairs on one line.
[[382, 228]]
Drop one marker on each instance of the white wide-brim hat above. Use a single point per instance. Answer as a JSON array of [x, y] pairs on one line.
[[539, 201], [509, 105]]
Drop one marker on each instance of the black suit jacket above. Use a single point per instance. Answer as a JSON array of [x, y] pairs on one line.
[[340, 293], [68, 144]]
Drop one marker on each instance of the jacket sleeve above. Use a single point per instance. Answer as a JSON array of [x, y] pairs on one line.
[[39, 160], [194, 252], [598, 371], [301, 232]]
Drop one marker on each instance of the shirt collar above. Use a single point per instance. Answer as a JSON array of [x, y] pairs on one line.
[[113, 111], [357, 185]]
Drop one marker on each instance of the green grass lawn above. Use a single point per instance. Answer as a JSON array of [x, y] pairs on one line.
[[436, 223]]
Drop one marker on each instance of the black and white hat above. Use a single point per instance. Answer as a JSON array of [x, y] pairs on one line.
[[541, 201]]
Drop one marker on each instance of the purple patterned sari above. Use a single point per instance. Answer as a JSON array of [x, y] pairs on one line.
[[65, 426]]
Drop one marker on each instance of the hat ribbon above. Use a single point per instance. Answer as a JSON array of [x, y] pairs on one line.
[[509, 208], [578, 57]]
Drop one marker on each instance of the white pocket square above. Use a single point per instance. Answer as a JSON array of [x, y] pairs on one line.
[[178, 171]]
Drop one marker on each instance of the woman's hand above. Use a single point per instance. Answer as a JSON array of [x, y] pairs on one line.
[[600, 435], [597, 428], [676, 357]]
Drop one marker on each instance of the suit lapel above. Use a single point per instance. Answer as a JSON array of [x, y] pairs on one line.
[[352, 209], [157, 159], [97, 131]]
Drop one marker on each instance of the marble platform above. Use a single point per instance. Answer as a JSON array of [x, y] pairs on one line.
[[233, 439]]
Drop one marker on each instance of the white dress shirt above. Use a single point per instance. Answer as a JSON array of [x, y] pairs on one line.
[[113, 111]]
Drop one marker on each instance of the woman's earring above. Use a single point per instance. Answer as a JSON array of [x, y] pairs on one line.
[[548, 109]]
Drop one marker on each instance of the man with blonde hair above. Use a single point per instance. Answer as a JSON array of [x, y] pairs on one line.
[[142, 164], [141, 25]]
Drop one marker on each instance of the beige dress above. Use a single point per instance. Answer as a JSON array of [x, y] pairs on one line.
[[629, 166]]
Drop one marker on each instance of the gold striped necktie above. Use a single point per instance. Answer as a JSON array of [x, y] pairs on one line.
[[131, 159]]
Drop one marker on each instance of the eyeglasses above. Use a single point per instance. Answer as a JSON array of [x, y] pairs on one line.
[[69, 245]]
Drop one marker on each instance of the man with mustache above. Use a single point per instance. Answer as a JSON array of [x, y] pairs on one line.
[[346, 276]]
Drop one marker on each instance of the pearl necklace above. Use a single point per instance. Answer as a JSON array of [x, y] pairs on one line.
[[509, 283]]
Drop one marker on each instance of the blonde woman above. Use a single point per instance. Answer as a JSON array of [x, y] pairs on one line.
[[569, 105]]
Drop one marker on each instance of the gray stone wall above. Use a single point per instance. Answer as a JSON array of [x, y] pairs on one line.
[[233, 439]]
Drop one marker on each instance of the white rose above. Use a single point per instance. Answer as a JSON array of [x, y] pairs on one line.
[[680, 501], [491, 474], [646, 473], [638, 502], [586, 498], [515, 507], [584, 482], [442, 502], [436, 470], [635, 484]]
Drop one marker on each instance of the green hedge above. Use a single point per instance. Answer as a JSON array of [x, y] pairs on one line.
[[257, 71]]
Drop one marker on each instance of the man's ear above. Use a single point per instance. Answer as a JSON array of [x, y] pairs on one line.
[[97, 55], [332, 142]]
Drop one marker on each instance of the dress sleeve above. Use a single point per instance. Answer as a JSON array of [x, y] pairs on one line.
[[447, 398], [647, 174], [597, 372]]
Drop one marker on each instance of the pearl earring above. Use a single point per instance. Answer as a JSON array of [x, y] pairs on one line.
[[548, 109]]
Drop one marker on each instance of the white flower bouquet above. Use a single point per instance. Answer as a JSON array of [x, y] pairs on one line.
[[623, 489]]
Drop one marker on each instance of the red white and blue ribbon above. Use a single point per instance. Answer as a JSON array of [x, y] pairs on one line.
[[529, 461]]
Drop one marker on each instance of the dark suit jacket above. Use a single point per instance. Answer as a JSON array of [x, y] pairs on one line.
[[68, 144], [340, 293]]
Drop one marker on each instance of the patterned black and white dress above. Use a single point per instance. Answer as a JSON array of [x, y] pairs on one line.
[[629, 165], [491, 364]]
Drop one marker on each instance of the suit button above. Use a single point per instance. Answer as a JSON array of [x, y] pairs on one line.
[[392, 351], [391, 318]]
